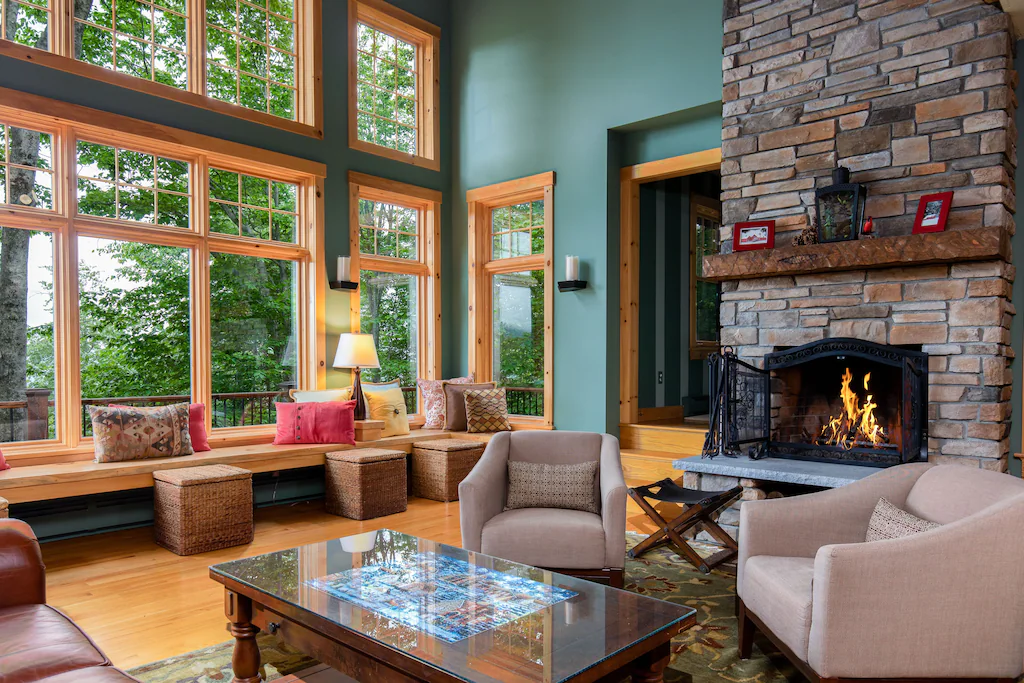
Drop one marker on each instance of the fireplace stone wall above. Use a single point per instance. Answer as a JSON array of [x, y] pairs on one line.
[[915, 97]]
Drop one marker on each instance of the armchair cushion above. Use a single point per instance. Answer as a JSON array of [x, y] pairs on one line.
[[539, 485], [779, 590], [546, 537]]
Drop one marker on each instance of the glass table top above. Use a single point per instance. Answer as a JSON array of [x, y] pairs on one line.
[[478, 618]]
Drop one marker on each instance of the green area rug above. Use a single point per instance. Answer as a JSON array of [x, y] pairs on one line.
[[706, 653]]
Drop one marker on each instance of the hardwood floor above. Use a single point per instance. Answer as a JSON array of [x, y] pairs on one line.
[[141, 603]]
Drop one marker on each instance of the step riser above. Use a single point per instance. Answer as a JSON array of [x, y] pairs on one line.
[[680, 441]]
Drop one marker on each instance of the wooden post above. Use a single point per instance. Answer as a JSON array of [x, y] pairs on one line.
[[245, 660], [37, 413]]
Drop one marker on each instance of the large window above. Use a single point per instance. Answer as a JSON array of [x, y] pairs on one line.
[[394, 86], [120, 282], [255, 59], [396, 251], [511, 278]]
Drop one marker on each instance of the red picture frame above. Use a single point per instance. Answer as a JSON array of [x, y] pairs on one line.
[[932, 212], [752, 235]]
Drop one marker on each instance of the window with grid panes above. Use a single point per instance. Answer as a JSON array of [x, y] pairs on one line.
[[251, 54], [26, 22], [386, 90]]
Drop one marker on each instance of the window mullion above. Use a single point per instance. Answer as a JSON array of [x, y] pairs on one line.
[[199, 293], [67, 374], [196, 46]]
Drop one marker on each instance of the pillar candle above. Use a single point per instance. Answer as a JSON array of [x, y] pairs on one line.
[[572, 267], [344, 269]]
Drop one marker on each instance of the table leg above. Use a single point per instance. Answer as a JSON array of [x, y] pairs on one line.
[[650, 668], [245, 660]]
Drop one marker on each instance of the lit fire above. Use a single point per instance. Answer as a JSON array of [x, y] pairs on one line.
[[856, 426]]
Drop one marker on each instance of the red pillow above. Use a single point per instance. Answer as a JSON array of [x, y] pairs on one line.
[[196, 426], [330, 422], [5, 466]]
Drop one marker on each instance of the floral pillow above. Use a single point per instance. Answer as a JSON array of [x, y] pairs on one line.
[[129, 433], [433, 399]]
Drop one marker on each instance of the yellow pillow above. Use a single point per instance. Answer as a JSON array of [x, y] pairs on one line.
[[322, 396], [388, 406]]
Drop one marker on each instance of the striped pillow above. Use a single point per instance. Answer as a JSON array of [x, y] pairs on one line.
[[487, 411]]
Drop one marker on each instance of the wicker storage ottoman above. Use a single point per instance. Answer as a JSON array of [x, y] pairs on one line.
[[365, 483], [198, 509], [3, 508], [438, 467]]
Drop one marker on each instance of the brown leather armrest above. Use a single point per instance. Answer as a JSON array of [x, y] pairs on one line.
[[22, 573]]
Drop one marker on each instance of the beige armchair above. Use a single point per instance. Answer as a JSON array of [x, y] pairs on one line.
[[946, 603], [569, 541]]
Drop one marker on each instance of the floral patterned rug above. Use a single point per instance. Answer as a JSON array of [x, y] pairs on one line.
[[706, 653]]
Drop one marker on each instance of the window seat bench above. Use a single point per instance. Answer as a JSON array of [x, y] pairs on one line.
[[80, 478]]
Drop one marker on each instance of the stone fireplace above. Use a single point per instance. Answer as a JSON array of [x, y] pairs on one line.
[[914, 97]]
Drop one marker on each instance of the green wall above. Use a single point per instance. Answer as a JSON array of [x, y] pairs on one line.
[[333, 150], [581, 87]]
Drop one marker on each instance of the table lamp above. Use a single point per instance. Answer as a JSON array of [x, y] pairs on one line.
[[356, 351]]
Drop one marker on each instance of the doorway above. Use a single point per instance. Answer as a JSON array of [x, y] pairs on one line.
[[671, 218]]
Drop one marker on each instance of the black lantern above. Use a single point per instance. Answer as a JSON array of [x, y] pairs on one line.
[[840, 208]]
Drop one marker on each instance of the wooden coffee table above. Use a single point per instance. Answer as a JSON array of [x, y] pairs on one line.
[[386, 607]]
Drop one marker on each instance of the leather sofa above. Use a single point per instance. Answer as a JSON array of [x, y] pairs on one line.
[[38, 642]]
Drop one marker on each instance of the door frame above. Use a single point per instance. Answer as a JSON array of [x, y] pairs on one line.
[[630, 180]]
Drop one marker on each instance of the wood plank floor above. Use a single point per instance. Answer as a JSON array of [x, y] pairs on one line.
[[141, 603]]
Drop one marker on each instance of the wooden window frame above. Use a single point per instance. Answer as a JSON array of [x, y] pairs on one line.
[[308, 80], [68, 123], [427, 267], [427, 38], [699, 207], [482, 268]]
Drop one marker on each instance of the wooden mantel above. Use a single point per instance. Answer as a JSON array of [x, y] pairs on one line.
[[978, 244]]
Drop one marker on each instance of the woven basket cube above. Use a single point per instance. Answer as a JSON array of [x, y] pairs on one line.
[[198, 509], [366, 483], [3, 508], [438, 467]]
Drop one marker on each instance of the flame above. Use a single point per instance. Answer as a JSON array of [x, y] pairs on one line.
[[856, 426]]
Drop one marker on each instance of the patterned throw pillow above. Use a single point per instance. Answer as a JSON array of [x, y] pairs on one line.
[[888, 521], [539, 485], [455, 403], [389, 407], [487, 411], [127, 433], [432, 391]]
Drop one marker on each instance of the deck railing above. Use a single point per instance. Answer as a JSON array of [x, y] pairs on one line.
[[33, 418]]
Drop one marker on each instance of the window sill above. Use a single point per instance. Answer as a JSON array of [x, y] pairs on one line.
[[395, 155], [54, 61]]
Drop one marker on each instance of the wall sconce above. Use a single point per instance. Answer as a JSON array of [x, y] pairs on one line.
[[344, 280], [572, 281]]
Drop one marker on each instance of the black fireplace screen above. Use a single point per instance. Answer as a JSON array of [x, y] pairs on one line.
[[838, 400]]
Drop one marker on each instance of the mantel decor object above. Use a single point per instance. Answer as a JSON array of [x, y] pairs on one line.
[[840, 208], [751, 235], [356, 351], [933, 212]]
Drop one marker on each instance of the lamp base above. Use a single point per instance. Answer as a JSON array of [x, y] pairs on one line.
[[357, 394]]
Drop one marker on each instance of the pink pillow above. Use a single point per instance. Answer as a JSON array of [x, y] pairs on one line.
[[196, 426], [330, 422], [3, 463]]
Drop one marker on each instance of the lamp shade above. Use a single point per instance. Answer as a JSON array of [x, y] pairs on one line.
[[356, 351]]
